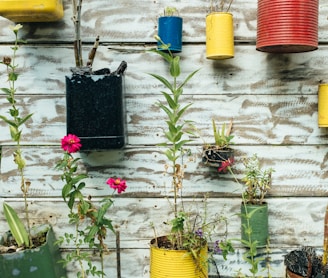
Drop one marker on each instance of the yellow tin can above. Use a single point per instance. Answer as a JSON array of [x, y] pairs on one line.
[[32, 10], [219, 36], [323, 105], [177, 263]]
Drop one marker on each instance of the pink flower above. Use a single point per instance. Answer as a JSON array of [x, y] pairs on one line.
[[71, 143], [225, 164], [117, 184]]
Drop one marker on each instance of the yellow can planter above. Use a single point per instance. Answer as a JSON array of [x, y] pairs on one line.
[[177, 263], [219, 36], [32, 10], [323, 105]]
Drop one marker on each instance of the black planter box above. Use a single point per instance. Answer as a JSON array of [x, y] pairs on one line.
[[95, 110]]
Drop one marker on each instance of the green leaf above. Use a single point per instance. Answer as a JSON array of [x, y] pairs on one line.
[[7, 91], [167, 111], [12, 76], [182, 111], [170, 100], [175, 67], [25, 119], [9, 122], [92, 232], [165, 55], [163, 80], [188, 78], [16, 226], [65, 191]]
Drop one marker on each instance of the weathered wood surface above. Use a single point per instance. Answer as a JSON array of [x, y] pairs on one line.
[[257, 120], [43, 70], [271, 96], [300, 171], [272, 99]]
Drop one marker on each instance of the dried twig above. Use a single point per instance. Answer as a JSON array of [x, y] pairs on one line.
[[92, 53], [77, 6]]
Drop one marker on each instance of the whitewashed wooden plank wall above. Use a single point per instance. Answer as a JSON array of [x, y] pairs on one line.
[[271, 97]]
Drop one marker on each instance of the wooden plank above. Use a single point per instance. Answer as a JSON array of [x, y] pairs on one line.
[[267, 120], [43, 68], [111, 21], [299, 171]]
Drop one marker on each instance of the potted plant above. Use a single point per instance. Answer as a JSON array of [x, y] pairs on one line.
[[90, 220], [170, 30], [34, 252], [94, 99], [184, 251], [287, 26], [220, 153], [32, 10], [220, 32], [251, 243], [254, 209]]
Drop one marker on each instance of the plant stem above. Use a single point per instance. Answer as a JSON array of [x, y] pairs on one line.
[[78, 249], [11, 70]]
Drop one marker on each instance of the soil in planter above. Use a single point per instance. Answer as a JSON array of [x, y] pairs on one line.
[[164, 243], [305, 262], [10, 246]]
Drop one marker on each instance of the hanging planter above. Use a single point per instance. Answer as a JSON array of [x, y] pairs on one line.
[[219, 36], [42, 261], [258, 222], [95, 110], [176, 263], [287, 26], [323, 105], [32, 10], [213, 155], [170, 30]]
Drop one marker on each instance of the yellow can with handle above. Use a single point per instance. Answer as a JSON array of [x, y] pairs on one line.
[[323, 105], [219, 36], [32, 10], [166, 263]]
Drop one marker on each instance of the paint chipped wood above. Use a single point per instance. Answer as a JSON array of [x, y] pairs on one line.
[[271, 98]]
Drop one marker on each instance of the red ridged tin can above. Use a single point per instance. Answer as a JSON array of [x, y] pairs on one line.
[[287, 26]]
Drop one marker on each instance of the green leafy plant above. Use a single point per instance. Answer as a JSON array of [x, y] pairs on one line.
[[176, 132], [257, 181], [222, 136], [189, 231], [90, 221], [219, 154], [15, 122], [170, 11], [254, 176]]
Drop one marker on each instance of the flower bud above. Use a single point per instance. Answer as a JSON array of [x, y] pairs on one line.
[[6, 60], [157, 38]]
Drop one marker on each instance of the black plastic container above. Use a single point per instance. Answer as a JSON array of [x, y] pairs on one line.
[[95, 110]]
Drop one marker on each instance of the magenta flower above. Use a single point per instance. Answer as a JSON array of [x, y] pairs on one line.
[[225, 164], [71, 143], [117, 184]]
